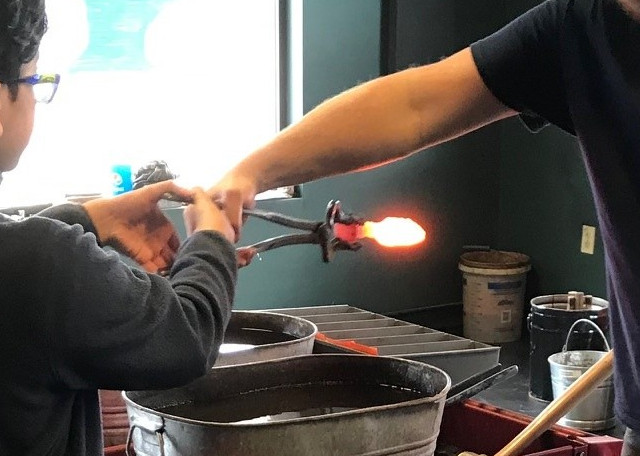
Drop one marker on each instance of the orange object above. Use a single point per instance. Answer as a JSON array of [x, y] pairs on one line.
[[394, 232], [348, 344], [390, 232]]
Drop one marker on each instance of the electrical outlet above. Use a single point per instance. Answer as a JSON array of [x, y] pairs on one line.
[[588, 239]]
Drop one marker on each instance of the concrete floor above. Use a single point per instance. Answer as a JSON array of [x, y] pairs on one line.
[[513, 393]]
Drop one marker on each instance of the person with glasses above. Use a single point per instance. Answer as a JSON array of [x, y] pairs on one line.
[[44, 86], [74, 318], [571, 63]]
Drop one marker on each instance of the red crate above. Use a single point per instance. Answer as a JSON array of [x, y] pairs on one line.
[[117, 450], [486, 429]]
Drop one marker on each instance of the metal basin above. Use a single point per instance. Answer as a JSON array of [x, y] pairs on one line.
[[311, 405], [261, 336], [250, 337]]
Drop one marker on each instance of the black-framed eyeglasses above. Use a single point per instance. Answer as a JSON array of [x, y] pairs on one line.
[[44, 85]]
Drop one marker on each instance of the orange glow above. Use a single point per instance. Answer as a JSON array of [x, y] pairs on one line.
[[394, 232]]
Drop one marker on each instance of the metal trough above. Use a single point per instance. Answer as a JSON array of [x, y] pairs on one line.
[[290, 422]]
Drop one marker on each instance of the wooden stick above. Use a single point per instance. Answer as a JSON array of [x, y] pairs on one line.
[[560, 406]]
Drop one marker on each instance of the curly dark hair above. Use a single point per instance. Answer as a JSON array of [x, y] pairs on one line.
[[22, 25]]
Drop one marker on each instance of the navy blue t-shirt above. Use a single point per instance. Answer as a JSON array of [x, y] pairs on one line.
[[576, 64]]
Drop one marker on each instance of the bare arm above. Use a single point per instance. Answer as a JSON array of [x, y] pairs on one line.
[[372, 124]]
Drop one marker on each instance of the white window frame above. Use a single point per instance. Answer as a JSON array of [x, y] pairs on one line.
[[288, 103]]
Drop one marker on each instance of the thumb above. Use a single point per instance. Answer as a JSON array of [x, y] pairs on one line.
[[166, 188]]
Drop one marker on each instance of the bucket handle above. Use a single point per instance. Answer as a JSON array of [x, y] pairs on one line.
[[596, 327], [157, 428]]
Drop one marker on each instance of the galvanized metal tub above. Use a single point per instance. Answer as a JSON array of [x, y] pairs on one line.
[[402, 428], [262, 336]]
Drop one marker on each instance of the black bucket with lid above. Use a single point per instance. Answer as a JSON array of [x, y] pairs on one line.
[[549, 322]]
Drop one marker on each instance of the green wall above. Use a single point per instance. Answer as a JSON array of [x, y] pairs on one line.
[[544, 201], [544, 196], [501, 186], [452, 190]]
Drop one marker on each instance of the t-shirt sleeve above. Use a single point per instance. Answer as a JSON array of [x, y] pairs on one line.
[[521, 66]]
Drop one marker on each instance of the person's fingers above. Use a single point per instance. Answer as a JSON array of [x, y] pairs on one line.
[[152, 265], [144, 256], [184, 194], [156, 264], [174, 242], [242, 262], [164, 235], [167, 256], [189, 219], [233, 207], [199, 194], [244, 256], [160, 189], [205, 215], [214, 193]]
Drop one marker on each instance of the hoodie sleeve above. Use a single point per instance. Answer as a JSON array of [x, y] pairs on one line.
[[111, 326]]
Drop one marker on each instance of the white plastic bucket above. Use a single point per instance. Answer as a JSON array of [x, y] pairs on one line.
[[493, 284], [595, 411]]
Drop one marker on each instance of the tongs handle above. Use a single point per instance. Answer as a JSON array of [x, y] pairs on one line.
[[318, 232], [282, 219], [284, 240], [481, 385]]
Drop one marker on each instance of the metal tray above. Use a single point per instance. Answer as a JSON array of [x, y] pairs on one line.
[[461, 358]]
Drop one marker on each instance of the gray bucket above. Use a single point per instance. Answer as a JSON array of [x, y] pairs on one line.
[[595, 411], [253, 336]]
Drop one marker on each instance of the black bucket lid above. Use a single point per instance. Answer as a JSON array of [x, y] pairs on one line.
[[494, 259], [556, 304]]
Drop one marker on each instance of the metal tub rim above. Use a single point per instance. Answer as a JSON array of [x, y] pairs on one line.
[[548, 302], [306, 335], [441, 395]]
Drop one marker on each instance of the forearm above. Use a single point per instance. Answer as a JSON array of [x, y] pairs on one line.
[[377, 122], [357, 129]]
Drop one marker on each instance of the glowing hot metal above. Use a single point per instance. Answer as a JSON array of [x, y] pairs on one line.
[[390, 232], [340, 231]]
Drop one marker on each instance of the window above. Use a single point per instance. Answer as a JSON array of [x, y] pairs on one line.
[[190, 82]]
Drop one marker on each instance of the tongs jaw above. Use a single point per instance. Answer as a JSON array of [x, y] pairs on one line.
[[321, 233]]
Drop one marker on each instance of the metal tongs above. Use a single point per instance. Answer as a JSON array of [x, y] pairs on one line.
[[321, 233]]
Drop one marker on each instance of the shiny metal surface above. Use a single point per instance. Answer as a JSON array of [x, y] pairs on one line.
[[262, 332], [459, 357], [473, 385], [595, 411], [405, 428]]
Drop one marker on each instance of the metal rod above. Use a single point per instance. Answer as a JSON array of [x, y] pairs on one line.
[[284, 240], [283, 220], [483, 385], [269, 216]]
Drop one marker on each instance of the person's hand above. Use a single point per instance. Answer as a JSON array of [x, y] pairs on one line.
[[204, 214], [133, 224], [245, 255], [234, 193]]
